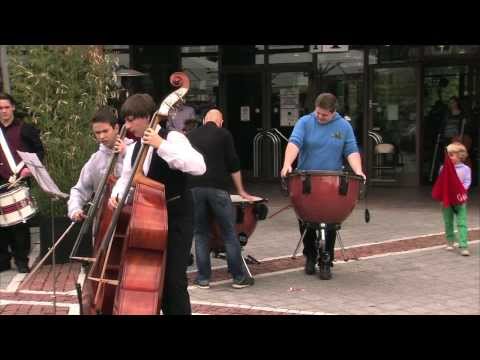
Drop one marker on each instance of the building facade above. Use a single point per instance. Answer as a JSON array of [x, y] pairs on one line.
[[396, 95]]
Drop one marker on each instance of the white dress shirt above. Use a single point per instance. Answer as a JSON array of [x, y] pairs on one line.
[[176, 150]]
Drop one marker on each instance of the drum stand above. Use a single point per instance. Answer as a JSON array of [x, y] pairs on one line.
[[249, 259], [320, 240]]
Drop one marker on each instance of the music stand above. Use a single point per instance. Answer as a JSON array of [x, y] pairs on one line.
[[46, 183]]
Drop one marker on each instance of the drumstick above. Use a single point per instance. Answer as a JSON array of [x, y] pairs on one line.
[[279, 211], [15, 182]]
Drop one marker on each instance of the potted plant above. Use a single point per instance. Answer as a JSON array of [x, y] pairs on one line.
[[58, 88]]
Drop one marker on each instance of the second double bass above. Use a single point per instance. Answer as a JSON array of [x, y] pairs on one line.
[[152, 271]]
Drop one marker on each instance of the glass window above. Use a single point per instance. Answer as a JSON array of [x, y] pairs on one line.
[[290, 94], [392, 54], [342, 74], [199, 49], [242, 55], [394, 114], [350, 62], [443, 50], [286, 58], [285, 47], [203, 74]]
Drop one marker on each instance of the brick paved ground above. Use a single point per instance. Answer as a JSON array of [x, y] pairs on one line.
[[431, 281], [423, 282]]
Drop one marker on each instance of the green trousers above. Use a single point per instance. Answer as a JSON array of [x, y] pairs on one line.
[[449, 218]]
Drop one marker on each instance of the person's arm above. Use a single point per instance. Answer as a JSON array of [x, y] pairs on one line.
[[291, 154], [122, 181], [355, 162], [177, 151], [80, 193], [467, 177], [351, 152], [294, 145], [237, 181]]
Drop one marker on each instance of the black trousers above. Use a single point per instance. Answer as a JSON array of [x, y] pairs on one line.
[[176, 300], [17, 238], [309, 249]]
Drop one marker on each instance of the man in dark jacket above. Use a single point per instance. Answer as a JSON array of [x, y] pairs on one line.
[[210, 192], [24, 137]]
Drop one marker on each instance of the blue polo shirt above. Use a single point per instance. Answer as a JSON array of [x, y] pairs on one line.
[[323, 146]]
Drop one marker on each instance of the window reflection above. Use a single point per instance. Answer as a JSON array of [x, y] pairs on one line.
[[199, 49], [203, 74], [286, 58]]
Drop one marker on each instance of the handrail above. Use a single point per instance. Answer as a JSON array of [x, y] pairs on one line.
[[275, 136]]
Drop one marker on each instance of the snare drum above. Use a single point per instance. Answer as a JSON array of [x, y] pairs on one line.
[[246, 213], [16, 206]]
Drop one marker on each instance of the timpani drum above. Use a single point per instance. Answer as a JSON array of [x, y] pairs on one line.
[[324, 196], [246, 213]]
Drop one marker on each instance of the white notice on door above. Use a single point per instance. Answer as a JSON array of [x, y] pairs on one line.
[[245, 113], [288, 117]]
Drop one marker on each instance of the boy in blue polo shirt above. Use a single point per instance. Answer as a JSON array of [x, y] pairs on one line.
[[321, 140]]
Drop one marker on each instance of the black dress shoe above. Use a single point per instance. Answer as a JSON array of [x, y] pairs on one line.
[[310, 266], [5, 267], [325, 272], [324, 267], [190, 260], [23, 268]]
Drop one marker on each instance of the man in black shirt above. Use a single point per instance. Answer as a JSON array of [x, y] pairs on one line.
[[210, 192]]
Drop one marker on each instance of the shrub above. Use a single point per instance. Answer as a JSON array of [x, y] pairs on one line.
[[59, 88]]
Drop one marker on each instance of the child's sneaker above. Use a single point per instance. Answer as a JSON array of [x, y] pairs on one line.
[[465, 252], [449, 247]]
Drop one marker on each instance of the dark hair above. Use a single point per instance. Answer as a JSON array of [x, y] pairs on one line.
[[5, 96], [138, 106], [189, 125], [326, 101], [105, 114], [457, 101]]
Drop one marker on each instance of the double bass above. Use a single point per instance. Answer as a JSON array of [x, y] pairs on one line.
[[137, 288]]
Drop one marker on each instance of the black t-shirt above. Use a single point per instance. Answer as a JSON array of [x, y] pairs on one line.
[[218, 150]]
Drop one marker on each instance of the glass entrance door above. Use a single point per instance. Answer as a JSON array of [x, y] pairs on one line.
[[393, 126], [243, 102], [441, 84]]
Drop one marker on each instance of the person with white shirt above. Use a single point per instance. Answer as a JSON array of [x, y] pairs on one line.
[[106, 129], [169, 159]]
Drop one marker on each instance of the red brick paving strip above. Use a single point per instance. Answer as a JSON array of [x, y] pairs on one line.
[[18, 309], [66, 274], [350, 253], [224, 310], [71, 299]]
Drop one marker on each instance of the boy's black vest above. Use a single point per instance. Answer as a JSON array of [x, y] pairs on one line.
[[174, 180]]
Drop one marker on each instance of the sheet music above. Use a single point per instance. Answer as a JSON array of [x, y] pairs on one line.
[[40, 174]]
